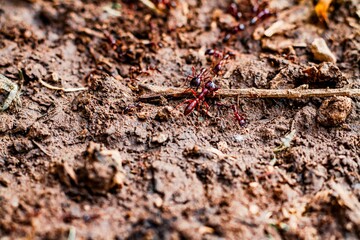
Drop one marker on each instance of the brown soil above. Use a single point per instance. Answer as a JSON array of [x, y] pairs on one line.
[[99, 164]]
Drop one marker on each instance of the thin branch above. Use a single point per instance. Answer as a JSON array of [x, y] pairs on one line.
[[160, 91], [42, 148], [60, 88]]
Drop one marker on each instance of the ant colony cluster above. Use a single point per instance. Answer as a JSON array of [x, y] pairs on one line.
[[209, 88], [246, 15], [250, 15]]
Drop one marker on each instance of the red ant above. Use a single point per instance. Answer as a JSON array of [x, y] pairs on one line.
[[196, 79], [209, 89], [218, 54], [239, 117], [112, 41], [233, 9], [214, 52], [262, 14], [219, 66], [234, 30]]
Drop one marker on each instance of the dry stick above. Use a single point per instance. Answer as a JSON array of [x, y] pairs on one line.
[[60, 88], [42, 148], [160, 91]]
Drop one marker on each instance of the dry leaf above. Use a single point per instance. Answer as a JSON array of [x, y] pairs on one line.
[[322, 8]]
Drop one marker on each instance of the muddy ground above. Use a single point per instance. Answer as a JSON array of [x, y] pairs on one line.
[[97, 163]]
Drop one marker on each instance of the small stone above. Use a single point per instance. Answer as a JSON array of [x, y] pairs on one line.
[[160, 138], [254, 209], [141, 134], [239, 138], [276, 44], [158, 202], [321, 51], [15, 202], [27, 34], [55, 77], [334, 111], [206, 230]]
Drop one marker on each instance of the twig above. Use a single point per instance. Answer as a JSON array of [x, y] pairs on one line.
[[42, 148], [60, 88], [160, 91], [151, 6], [91, 32]]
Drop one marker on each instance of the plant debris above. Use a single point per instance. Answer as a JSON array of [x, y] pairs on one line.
[[321, 9], [13, 89]]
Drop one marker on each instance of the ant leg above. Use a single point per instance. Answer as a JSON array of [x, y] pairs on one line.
[[183, 102], [207, 107], [193, 70], [153, 68], [192, 91], [143, 73], [189, 100]]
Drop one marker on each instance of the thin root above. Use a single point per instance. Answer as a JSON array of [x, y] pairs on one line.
[[60, 88]]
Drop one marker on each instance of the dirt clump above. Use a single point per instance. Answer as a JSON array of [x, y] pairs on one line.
[[101, 170], [334, 111]]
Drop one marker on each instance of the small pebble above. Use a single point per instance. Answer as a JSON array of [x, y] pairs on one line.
[[159, 138], [239, 138], [254, 209], [55, 77], [321, 51]]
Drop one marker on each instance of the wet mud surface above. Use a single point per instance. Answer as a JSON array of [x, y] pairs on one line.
[[97, 163]]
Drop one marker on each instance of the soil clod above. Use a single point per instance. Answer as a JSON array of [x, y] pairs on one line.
[[334, 111]]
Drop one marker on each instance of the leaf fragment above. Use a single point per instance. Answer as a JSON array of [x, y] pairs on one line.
[[321, 9]]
